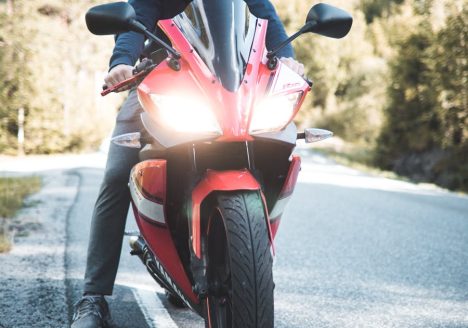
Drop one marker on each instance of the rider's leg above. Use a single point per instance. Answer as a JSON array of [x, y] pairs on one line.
[[111, 208]]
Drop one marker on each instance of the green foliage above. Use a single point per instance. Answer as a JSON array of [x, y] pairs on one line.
[[397, 84], [411, 109], [425, 135], [373, 9], [15, 84], [13, 191], [350, 77], [52, 66], [451, 69]]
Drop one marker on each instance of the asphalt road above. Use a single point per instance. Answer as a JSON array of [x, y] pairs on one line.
[[352, 251]]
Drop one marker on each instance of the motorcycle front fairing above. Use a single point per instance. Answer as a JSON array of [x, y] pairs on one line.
[[223, 68]]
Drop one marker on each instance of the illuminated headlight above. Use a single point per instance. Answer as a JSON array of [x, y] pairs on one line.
[[273, 113], [185, 114]]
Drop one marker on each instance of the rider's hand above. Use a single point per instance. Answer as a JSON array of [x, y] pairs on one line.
[[294, 65], [118, 74]]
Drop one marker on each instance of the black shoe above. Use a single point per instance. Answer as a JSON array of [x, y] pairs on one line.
[[92, 312]]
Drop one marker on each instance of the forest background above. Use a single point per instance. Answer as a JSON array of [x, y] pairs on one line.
[[394, 91]]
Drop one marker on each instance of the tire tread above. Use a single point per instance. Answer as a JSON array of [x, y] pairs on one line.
[[251, 259]]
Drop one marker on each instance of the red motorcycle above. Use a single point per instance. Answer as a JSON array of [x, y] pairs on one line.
[[217, 167]]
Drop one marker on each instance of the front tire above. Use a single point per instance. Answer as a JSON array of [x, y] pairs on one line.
[[239, 263]]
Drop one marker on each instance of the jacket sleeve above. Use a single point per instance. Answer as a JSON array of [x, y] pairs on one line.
[[275, 32], [129, 45]]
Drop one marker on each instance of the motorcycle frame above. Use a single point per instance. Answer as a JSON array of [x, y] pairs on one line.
[[234, 115]]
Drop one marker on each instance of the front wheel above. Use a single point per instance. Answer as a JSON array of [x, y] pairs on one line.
[[239, 261]]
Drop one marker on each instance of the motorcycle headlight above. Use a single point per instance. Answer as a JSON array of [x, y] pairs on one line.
[[273, 113], [186, 114]]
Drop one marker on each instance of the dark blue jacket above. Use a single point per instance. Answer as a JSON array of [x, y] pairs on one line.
[[129, 45]]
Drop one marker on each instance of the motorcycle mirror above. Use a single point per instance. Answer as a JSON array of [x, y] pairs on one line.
[[119, 17], [111, 18], [328, 21], [322, 19]]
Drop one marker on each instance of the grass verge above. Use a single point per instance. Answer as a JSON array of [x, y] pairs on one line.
[[13, 192]]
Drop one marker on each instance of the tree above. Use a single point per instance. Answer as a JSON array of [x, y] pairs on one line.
[[349, 90], [373, 9], [425, 134], [53, 67], [15, 86], [451, 69], [412, 122]]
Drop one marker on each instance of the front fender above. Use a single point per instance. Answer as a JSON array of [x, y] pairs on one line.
[[220, 181]]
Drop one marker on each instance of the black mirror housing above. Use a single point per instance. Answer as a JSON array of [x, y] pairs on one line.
[[328, 21], [111, 18], [119, 17]]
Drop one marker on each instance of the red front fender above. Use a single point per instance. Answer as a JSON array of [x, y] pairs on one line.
[[220, 181]]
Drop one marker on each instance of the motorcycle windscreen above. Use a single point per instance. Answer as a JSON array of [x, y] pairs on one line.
[[222, 33]]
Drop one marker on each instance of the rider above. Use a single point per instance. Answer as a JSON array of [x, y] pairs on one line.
[[111, 208]]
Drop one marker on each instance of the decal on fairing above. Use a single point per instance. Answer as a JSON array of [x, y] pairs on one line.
[[169, 281], [286, 80], [149, 209]]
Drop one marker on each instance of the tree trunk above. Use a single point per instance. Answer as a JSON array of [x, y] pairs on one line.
[[9, 7]]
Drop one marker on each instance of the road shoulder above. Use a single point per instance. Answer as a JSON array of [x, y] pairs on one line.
[[32, 274]]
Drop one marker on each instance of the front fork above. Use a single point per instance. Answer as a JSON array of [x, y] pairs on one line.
[[231, 180], [213, 181]]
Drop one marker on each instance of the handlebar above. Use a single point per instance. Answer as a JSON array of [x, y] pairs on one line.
[[142, 69]]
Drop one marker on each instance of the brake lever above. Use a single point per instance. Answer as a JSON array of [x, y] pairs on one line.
[[106, 90], [133, 80]]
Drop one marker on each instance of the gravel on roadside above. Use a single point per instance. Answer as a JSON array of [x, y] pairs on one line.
[[32, 274]]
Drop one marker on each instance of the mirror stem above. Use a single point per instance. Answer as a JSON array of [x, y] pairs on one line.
[[138, 27], [271, 54]]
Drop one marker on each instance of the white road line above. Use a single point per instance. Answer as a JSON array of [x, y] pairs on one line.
[[155, 313]]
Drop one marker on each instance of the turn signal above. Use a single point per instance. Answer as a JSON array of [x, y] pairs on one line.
[[131, 140], [314, 135]]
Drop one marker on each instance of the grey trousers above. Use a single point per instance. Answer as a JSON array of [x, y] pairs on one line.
[[111, 208]]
